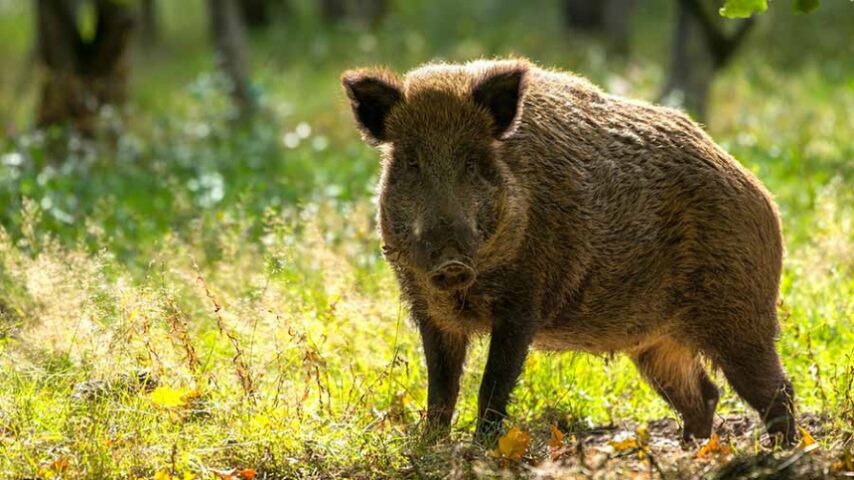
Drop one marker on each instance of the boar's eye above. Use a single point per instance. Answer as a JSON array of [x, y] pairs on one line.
[[473, 166], [412, 162]]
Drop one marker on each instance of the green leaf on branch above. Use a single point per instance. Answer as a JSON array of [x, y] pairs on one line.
[[806, 6], [744, 8]]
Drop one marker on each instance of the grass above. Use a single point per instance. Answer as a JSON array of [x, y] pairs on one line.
[[197, 297]]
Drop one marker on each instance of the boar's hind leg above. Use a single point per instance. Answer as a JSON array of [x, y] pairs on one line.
[[754, 371], [445, 353], [676, 373]]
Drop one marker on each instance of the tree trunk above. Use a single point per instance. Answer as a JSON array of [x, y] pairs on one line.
[[81, 76], [148, 22], [333, 10], [691, 67], [256, 13], [367, 12], [616, 17], [701, 48], [608, 18], [231, 52], [370, 12], [583, 14]]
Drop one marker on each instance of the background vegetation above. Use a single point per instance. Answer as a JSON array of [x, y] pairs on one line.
[[184, 293]]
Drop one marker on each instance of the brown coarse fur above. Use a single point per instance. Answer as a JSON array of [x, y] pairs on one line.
[[530, 205]]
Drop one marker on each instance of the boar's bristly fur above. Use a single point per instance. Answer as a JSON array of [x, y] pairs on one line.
[[529, 205]]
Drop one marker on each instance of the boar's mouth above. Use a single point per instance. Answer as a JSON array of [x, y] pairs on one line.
[[452, 275]]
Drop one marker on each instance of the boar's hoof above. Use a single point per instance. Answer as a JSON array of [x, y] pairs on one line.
[[487, 433], [782, 431]]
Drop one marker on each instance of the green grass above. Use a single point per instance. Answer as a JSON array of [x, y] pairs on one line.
[[116, 258]]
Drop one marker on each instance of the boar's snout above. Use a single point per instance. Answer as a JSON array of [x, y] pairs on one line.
[[446, 252], [452, 275]]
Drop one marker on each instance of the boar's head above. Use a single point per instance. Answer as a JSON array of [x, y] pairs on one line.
[[444, 188]]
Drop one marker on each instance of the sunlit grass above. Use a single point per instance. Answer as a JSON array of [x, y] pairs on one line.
[[337, 375]]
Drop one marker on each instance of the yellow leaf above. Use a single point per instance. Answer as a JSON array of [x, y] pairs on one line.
[[168, 397], [806, 438], [167, 475], [514, 444], [163, 475], [845, 462], [642, 434], [623, 445], [46, 473]]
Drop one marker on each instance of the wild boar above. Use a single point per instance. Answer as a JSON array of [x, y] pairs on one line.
[[530, 205]]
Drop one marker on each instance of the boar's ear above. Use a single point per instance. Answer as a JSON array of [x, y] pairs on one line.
[[500, 91], [372, 95]]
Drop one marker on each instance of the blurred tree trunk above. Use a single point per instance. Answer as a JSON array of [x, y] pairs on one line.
[[583, 14], [333, 10], [229, 41], [261, 13], [256, 13], [610, 18], [368, 12], [82, 75], [148, 22], [701, 48]]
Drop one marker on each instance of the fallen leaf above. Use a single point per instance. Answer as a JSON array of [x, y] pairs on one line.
[[513, 445], [167, 475], [163, 475], [235, 474], [713, 446], [845, 462], [247, 473], [59, 464], [557, 438], [54, 469], [629, 443], [556, 446], [168, 397], [806, 438], [225, 474]]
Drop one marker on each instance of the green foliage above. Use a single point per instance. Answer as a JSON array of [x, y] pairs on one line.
[[806, 6], [747, 8], [742, 8]]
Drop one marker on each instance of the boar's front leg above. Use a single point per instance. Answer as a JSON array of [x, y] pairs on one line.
[[445, 353], [513, 331]]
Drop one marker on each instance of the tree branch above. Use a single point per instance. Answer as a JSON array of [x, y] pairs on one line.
[[721, 45]]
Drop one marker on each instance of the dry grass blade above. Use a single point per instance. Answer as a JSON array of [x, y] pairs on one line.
[[241, 369]]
